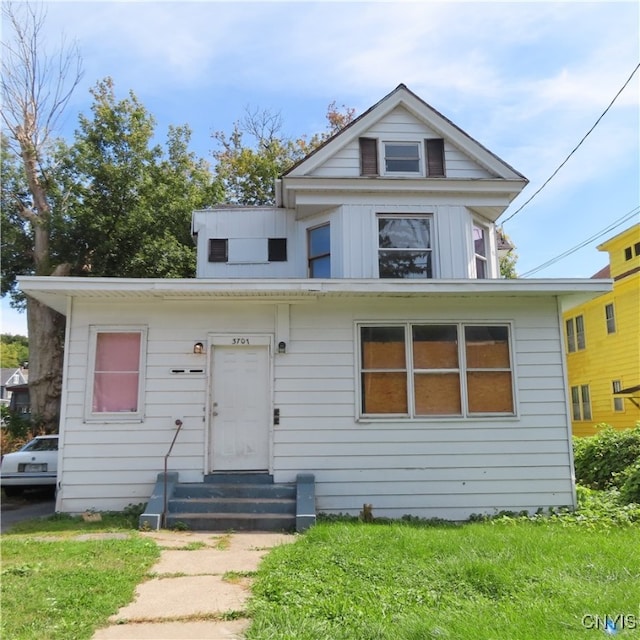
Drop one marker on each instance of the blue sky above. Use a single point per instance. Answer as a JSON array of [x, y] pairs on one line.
[[527, 80]]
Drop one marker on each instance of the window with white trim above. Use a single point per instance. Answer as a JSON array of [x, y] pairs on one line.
[[116, 376], [405, 247], [581, 402], [575, 334], [480, 251], [610, 318], [319, 251], [420, 370], [402, 158], [618, 401]]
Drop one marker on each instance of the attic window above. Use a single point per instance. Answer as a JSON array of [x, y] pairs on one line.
[[401, 157], [218, 249], [368, 157]]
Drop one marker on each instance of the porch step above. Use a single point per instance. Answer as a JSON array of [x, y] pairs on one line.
[[238, 501]]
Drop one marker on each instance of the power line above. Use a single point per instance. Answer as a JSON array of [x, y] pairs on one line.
[[584, 243], [595, 124]]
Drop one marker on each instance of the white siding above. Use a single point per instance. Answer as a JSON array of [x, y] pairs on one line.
[[398, 125], [429, 468]]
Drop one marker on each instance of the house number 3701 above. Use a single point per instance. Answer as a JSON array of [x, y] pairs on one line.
[[240, 341]]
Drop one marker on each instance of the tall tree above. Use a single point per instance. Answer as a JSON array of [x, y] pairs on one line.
[[248, 171], [36, 88]]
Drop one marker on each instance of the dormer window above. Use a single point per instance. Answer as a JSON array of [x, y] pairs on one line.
[[419, 158], [402, 157]]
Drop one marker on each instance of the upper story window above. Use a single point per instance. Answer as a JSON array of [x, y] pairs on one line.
[[218, 250], [480, 251], [277, 250], [628, 254], [610, 318], [416, 370], [403, 158], [116, 374], [319, 251], [575, 333], [404, 247]]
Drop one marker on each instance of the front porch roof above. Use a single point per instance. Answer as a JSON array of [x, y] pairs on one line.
[[56, 291]]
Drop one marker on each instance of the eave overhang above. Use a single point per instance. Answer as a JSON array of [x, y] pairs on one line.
[[55, 292]]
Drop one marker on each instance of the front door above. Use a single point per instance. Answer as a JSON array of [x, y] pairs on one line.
[[240, 407]]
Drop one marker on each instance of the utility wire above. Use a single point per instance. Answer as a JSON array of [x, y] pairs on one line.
[[595, 124], [584, 243]]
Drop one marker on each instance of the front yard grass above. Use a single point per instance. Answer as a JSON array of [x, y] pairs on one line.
[[57, 587], [511, 579]]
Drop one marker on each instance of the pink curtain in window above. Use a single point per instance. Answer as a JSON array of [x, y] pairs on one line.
[[116, 377]]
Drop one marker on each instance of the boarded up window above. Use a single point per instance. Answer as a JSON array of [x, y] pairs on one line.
[[431, 371], [435, 157], [116, 372], [368, 157], [218, 249]]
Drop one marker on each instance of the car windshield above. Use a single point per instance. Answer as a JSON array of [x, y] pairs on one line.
[[42, 444]]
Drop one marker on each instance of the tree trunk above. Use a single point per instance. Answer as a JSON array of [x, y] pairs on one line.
[[46, 354]]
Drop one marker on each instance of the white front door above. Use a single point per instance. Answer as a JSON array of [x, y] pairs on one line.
[[240, 408]]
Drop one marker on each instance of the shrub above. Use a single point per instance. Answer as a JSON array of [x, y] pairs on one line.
[[600, 460], [629, 480]]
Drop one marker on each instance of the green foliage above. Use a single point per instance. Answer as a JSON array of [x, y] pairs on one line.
[[14, 350], [248, 171], [629, 483], [601, 460]]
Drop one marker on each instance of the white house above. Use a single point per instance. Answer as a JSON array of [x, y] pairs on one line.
[[357, 331]]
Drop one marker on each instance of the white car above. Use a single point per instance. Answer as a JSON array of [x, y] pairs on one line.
[[34, 466]]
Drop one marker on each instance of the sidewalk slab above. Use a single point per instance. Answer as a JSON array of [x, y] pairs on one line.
[[207, 561], [183, 596], [223, 630]]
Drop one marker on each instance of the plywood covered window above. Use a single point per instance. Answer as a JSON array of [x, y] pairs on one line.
[[368, 157], [116, 372], [419, 370]]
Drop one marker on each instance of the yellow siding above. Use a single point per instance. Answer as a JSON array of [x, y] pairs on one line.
[[610, 356]]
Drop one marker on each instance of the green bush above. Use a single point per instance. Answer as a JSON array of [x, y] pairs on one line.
[[601, 460], [629, 480]]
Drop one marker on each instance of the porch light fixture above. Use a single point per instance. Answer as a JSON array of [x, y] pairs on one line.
[[282, 347], [198, 348]]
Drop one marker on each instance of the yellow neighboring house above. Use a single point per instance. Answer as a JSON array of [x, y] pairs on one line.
[[603, 343]]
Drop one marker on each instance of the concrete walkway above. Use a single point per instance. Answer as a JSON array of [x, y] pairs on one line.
[[189, 597]]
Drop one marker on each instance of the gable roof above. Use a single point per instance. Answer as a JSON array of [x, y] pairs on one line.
[[403, 96]]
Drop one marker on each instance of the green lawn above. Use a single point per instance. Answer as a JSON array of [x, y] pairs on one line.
[[64, 588], [508, 580]]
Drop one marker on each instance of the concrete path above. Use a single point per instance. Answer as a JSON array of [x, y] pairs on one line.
[[189, 597]]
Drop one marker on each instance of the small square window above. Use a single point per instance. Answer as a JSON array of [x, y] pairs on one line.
[[636, 249], [277, 249], [627, 253], [218, 250], [402, 157]]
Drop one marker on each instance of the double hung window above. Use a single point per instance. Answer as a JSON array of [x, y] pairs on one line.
[[618, 401], [416, 370], [319, 251], [480, 251], [610, 318], [116, 372], [581, 402], [405, 247], [575, 334]]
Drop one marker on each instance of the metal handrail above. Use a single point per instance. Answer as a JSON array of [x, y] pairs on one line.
[[166, 458]]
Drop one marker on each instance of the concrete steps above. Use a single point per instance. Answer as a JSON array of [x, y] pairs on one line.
[[233, 501]]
